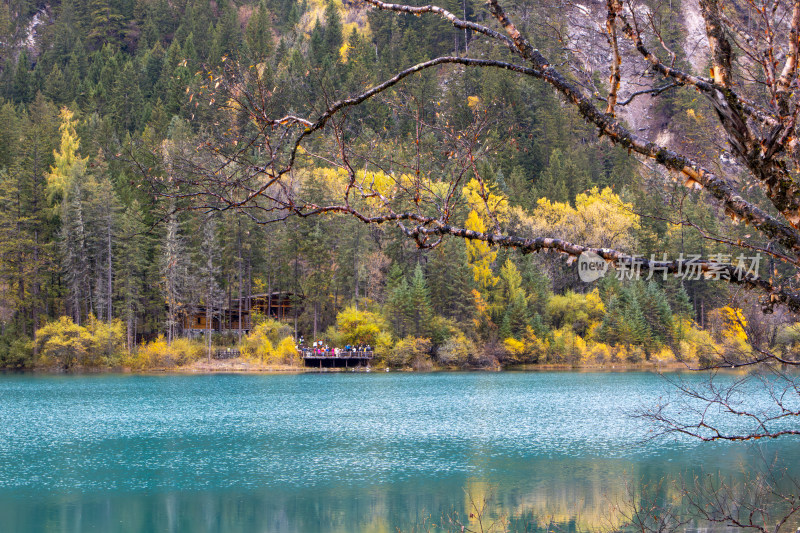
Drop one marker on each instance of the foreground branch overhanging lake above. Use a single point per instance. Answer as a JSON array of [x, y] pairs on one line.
[[761, 134]]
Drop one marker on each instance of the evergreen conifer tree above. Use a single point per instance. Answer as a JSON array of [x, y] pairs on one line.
[[173, 273], [258, 37], [208, 275], [420, 303], [130, 261]]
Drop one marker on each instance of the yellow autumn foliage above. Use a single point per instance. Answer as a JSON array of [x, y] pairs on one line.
[[734, 322], [567, 347], [359, 326], [597, 353], [480, 255], [351, 19], [388, 187], [582, 312], [257, 349], [696, 346], [728, 325], [286, 352], [664, 355], [515, 348], [67, 164], [270, 342], [64, 343], [159, 354], [456, 351], [485, 202], [599, 219]]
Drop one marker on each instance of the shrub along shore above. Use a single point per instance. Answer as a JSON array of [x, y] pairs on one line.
[[62, 345]]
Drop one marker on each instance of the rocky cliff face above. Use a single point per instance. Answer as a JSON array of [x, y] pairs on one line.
[[588, 40]]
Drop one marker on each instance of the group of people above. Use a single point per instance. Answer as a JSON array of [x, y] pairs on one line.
[[320, 348]]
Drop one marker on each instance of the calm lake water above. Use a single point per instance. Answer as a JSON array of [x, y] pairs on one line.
[[330, 452]]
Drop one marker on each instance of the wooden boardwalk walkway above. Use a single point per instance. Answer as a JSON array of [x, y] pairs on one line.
[[343, 359]]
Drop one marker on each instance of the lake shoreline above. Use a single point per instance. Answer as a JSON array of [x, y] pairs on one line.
[[240, 366]]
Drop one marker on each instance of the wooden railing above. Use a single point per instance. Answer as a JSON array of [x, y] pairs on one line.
[[226, 353], [310, 353]]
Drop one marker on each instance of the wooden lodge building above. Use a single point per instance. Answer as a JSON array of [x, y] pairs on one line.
[[278, 305]]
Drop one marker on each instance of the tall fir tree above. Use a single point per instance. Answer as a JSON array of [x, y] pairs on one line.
[[258, 36], [173, 275], [106, 27], [208, 276], [131, 269], [420, 303]]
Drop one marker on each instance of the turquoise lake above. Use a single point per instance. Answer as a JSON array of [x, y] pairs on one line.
[[333, 452]]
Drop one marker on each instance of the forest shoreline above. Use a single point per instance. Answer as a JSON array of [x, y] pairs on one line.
[[239, 366]]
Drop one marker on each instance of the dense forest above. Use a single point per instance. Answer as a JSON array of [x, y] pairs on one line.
[[97, 269]]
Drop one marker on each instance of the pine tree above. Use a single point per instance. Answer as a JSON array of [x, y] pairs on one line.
[[636, 327], [394, 278], [401, 307], [450, 281], [293, 13], [173, 271], [10, 135], [318, 254], [67, 32], [258, 37], [158, 20], [680, 302], [23, 228], [74, 253], [75, 75], [150, 66], [657, 312], [65, 192], [515, 318], [107, 26], [36, 151], [519, 188], [125, 99], [552, 182], [14, 247], [352, 257], [227, 35], [361, 65], [56, 87], [208, 276], [21, 90], [333, 32], [174, 79], [105, 211], [130, 262], [316, 45], [199, 21], [625, 321], [420, 311]]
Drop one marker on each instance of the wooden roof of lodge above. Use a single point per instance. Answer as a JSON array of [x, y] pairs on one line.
[[277, 295], [285, 294]]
